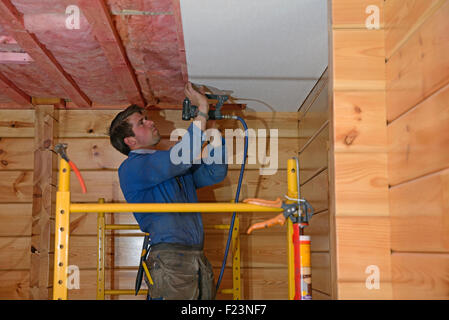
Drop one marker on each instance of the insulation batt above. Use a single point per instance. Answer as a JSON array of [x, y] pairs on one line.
[[150, 43], [152, 47], [28, 78]]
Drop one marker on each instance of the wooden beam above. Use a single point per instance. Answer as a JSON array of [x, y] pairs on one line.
[[100, 19], [47, 101], [44, 194], [180, 35], [226, 107], [13, 92], [97, 106], [12, 20]]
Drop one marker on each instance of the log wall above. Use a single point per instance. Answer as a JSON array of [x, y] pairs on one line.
[[417, 69], [16, 181], [360, 221], [263, 254]]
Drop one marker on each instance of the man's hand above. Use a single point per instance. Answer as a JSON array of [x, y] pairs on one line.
[[198, 99]]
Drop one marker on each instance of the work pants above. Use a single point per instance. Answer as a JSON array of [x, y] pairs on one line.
[[179, 272]]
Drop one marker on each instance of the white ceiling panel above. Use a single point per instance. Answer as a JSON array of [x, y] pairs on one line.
[[269, 51]]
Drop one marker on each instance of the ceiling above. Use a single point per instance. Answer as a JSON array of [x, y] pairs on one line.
[[142, 51], [267, 50]]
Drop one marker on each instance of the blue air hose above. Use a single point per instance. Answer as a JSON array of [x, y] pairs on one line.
[[237, 195]]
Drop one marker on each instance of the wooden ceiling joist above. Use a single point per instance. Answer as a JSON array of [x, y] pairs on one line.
[[12, 20], [12, 92], [98, 106], [180, 35], [226, 107], [99, 17]]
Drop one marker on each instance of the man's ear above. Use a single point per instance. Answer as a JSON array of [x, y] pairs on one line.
[[130, 141]]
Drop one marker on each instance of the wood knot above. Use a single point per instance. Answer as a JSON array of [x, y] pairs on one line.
[[95, 150], [90, 130], [350, 137], [357, 109], [4, 162], [47, 143]]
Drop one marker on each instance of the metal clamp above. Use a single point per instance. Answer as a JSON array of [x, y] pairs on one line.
[[61, 149], [300, 212]]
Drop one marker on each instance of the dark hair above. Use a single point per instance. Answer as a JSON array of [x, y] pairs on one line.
[[121, 129]]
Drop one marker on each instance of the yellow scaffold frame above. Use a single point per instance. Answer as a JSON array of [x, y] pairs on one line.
[[235, 291], [64, 207]]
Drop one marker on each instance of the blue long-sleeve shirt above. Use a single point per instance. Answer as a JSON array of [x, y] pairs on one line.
[[150, 176]]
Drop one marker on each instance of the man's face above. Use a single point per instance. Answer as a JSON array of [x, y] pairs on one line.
[[145, 133]]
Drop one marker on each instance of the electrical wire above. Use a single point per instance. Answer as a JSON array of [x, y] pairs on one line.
[[237, 195]]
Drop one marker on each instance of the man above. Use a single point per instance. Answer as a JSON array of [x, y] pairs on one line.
[[177, 265]]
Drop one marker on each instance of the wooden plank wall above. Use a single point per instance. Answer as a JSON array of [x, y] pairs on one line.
[[43, 206], [417, 68], [16, 181], [263, 261], [360, 221], [314, 182]]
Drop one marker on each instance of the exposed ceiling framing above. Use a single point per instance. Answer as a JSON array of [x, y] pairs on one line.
[[143, 51], [15, 94], [12, 20], [119, 56], [99, 18]]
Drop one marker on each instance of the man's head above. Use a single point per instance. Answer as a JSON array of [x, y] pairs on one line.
[[131, 130]]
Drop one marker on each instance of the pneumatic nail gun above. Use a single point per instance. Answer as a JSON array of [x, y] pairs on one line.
[[190, 111]]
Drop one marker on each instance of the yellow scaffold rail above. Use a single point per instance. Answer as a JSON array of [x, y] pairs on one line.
[[169, 207], [64, 207], [101, 263], [292, 192], [62, 222]]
